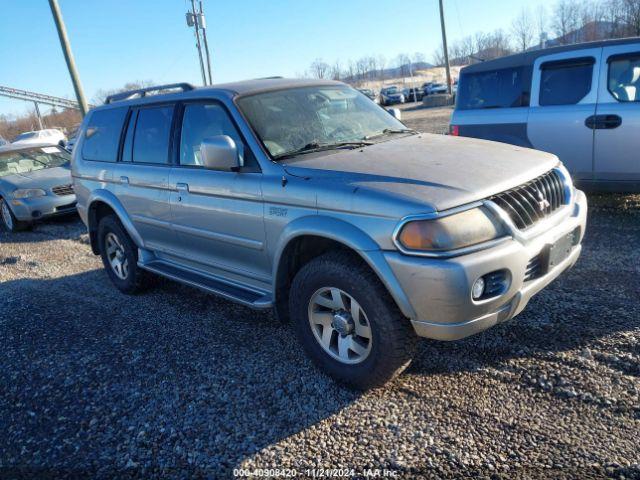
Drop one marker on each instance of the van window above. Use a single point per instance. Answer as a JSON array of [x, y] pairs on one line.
[[504, 88], [102, 136], [624, 77], [151, 137], [565, 82], [202, 121]]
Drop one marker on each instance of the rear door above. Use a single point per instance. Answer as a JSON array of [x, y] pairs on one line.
[[564, 93], [617, 121], [142, 176]]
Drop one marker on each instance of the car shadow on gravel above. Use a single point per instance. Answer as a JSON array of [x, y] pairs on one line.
[[169, 381]]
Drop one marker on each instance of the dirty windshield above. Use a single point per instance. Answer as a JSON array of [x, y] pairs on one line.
[[30, 159], [292, 120]]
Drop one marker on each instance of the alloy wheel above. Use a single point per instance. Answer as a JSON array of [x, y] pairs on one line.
[[6, 214], [340, 325], [116, 256]]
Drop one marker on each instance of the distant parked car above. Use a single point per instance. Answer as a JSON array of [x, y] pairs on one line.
[[49, 136], [392, 95], [414, 94], [580, 102], [35, 182], [371, 94]]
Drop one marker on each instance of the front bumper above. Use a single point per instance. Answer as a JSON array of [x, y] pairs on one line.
[[31, 209], [439, 290]]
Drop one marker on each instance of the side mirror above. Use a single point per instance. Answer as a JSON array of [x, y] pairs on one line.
[[221, 153], [395, 113]]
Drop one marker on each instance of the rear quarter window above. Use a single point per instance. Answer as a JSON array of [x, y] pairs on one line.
[[504, 88], [102, 136]]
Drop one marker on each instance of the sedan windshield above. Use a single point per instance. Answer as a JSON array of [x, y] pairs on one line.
[[303, 119], [29, 160]]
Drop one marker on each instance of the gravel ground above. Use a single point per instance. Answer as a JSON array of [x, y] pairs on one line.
[[181, 384]]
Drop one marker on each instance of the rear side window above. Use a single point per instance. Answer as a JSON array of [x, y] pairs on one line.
[[151, 135], [624, 77], [504, 88], [565, 82], [102, 136]]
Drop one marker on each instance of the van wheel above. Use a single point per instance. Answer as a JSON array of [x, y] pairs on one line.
[[348, 323], [120, 256], [9, 221]]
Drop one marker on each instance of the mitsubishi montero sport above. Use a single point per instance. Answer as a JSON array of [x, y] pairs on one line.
[[308, 198]]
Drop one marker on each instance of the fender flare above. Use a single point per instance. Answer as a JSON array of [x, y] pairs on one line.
[[105, 196], [350, 236]]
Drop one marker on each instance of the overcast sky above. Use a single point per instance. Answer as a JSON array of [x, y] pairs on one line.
[[116, 41]]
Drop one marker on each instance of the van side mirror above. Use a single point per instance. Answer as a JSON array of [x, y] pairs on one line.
[[395, 113], [221, 153]]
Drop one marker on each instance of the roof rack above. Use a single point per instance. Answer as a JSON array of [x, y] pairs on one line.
[[118, 97]]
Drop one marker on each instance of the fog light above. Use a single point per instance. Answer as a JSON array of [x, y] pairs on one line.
[[478, 288]]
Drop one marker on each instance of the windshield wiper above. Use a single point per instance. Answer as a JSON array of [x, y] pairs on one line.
[[390, 131], [319, 147]]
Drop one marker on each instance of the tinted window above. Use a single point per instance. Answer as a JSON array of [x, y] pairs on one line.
[[151, 137], [624, 77], [102, 137], [202, 121], [503, 88], [565, 82]]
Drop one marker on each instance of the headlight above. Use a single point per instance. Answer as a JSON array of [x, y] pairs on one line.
[[29, 193], [455, 231]]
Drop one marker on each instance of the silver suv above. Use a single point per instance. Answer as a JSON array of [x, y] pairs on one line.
[[308, 198]]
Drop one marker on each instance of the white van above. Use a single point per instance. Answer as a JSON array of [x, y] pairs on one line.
[[580, 102]]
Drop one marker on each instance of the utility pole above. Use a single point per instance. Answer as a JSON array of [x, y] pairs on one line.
[[40, 122], [192, 21], [68, 55], [203, 26], [444, 47]]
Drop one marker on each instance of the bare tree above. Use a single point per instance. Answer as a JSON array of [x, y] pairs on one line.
[[336, 71], [523, 29], [320, 69], [438, 56], [631, 10], [541, 24], [565, 20]]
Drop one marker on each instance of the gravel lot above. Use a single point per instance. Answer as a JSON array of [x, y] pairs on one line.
[[178, 383]]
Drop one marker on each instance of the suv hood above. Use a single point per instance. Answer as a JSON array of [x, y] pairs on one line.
[[436, 171]]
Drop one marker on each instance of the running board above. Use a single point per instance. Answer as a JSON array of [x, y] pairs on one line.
[[234, 292]]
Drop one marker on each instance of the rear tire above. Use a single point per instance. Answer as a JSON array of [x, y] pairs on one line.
[[366, 319], [120, 256], [9, 220]]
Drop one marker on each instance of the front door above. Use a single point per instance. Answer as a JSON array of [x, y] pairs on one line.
[[218, 215], [617, 134], [563, 96]]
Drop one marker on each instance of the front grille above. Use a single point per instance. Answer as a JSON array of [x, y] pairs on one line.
[[534, 268], [533, 201], [62, 190]]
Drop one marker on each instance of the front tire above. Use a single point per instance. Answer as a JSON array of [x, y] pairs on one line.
[[348, 323], [9, 220], [120, 256]]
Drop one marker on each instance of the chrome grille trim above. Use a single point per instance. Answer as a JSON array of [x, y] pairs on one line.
[[62, 190], [533, 201]]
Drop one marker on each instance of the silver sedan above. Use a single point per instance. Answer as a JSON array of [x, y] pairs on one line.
[[35, 183]]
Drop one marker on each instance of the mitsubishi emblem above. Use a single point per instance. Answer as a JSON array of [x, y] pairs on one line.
[[543, 203]]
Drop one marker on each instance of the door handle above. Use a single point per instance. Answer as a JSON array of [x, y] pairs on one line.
[[603, 122], [182, 187], [124, 180]]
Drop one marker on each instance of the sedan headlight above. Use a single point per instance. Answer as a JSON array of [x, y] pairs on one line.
[[464, 229], [29, 193]]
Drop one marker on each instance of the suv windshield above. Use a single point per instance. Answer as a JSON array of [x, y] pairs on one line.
[[287, 121], [31, 159]]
